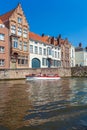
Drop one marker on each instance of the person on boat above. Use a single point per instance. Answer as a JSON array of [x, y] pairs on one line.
[[40, 74]]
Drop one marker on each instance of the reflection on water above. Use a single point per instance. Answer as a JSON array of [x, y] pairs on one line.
[[44, 105]]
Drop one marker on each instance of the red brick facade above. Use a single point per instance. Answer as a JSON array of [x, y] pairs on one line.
[[65, 52], [18, 29], [4, 47]]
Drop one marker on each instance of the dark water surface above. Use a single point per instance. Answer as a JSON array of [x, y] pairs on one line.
[[44, 105]]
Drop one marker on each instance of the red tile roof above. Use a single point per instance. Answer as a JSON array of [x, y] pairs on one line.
[[45, 38], [37, 37], [6, 16]]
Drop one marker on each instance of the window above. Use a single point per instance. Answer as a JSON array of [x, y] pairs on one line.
[[31, 48], [72, 53], [44, 51], [2, 49], [40, 51], [55, 63], [25, 33], [58, 55], [2, 62], [2, 36], [2, 25], [25, 48], [55, 54], [44, 62], [19, 20], [36, 50], [19, 61], [13, 29], [52, 53], [48, 51], [23, 60], [19, 31], [20, 45], [15, 42]]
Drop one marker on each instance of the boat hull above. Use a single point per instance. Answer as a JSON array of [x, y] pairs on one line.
[[42, 78]]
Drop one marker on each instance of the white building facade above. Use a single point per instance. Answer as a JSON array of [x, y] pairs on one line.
[[72, 56], [81, 57], [43, 55]]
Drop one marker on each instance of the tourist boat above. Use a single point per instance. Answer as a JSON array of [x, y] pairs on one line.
[[42, 77]]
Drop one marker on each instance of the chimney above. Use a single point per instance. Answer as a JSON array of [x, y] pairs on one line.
[[59, 39], [59, 36], [80, 44], [42, 34], [52, 40]]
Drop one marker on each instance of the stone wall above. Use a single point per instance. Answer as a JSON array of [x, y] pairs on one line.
[[20, 73], [79, 71], [62, 72]]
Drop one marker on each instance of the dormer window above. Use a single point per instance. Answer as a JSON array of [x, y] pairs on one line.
[[19, 20]]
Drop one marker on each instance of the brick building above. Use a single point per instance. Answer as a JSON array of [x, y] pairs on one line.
[[65, 49], [18, 30], [4, 46]]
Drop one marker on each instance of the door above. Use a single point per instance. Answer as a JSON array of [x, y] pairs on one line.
[[35, 63]]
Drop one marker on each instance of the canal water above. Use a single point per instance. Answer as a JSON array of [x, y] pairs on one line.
[[44, 105]]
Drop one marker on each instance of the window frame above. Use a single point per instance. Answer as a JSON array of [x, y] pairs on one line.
[[2, 49], [2, 62], [2, 36]]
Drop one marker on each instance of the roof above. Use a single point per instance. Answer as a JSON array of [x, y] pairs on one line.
[[6, 16], [37, 37], [45, 38]]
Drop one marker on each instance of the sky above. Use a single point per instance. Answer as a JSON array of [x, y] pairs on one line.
[[54, 17]]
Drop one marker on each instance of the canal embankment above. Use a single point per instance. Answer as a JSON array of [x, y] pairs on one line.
[[62, 72], [20, 73], [80, 71]]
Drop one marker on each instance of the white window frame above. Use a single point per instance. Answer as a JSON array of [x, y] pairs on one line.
[[25, 33], [19, 32], [2, 36], [36, 50], [19, 20], [44, 51], [2, 62], [40, 50], [25, 47], [2, 49], [13, 29], [2, 25], [15, 42], [31, 48], [49, 51]]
